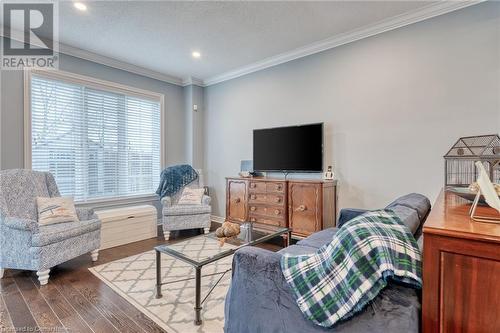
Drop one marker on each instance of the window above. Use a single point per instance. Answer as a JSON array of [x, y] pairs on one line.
[[99, 140]]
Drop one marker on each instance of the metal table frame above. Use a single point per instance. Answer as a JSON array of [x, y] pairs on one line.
[[199, 264]]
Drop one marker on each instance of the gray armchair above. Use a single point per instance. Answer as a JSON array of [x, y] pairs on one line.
[[181, 217], [26, 245]]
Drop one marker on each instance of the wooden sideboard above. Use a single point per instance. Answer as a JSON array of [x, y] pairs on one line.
[[306, 206], [461, 272]]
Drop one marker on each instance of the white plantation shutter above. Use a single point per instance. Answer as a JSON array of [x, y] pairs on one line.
[[97, 143]]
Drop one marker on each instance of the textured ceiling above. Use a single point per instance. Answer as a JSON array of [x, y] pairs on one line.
[[160, 36]]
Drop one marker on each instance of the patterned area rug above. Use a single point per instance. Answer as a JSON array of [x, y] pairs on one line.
[[134, 279]]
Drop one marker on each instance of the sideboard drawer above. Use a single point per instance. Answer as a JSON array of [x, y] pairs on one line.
[[258, 187], [270, 199], [267, 220], [275, 212], [275, 187]]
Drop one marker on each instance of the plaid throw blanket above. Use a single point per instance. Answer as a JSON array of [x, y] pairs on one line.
[[343, 276]]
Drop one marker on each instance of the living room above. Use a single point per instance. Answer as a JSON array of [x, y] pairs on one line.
[[198, 151]]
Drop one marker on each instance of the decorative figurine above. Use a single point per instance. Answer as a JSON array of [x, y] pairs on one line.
[[328, 175]]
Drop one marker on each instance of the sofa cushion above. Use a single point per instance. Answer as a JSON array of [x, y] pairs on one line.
[[54, 233], [318, 239], [408, 216], [347, 214], [180, 210], [297, 250], [420, 243], [415, 201]]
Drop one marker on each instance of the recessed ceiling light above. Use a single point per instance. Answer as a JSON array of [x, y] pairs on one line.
[[196, 54], [80, 6]]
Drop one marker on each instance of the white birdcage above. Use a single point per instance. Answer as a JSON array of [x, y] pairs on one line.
[[459, 165]]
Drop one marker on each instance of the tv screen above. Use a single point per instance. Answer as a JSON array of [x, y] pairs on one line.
[[289, 149]]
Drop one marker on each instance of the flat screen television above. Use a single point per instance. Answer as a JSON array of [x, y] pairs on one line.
[[289, 149]]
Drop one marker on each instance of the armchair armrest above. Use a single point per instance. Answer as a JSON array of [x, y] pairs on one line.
[[347, 214], [166, 201], [258, 265], [85, 214], [206, 200], [253, 258], [20, 223], [258, 290]]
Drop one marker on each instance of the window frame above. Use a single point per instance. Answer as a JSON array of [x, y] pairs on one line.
[[101, 85]]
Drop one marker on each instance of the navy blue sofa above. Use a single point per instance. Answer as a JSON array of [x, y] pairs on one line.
[[259, 299]]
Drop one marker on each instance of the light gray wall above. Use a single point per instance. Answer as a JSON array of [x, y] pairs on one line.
[[194, 95], [392, 105], [198, 124], [188, 114]]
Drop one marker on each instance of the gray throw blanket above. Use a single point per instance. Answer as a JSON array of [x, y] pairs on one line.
[[175, 177]]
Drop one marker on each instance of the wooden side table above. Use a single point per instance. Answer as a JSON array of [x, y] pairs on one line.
[[461, 272]]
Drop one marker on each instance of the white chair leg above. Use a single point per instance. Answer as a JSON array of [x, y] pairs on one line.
[[1, 273], [166, 234], [95, 255], [207, 230], [43, 276]]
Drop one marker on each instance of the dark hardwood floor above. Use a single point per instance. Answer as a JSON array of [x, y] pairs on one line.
[[75, 300]]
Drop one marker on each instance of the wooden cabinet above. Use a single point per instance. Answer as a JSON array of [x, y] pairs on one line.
[[306, 206], [461, 273], [236, 200]]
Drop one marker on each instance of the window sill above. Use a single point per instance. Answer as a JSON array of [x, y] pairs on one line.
[[107, 202]]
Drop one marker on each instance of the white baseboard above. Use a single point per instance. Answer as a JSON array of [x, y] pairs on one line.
[[217, 219]]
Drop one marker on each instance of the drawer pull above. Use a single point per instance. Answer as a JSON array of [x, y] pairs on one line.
[[253, 185], [279, 187], [237, 200], [130, 217], [301, 208], [253, 197], [252, 219], [253, 208], [277, 212], [278, 199]]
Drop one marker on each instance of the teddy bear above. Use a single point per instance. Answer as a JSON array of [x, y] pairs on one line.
[[227, 230]]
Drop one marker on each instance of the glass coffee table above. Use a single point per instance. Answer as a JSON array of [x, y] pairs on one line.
[[252, 233]]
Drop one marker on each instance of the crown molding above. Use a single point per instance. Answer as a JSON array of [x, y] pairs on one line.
[[193, 81], [421, 14], [104, 60], [118, 64]]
